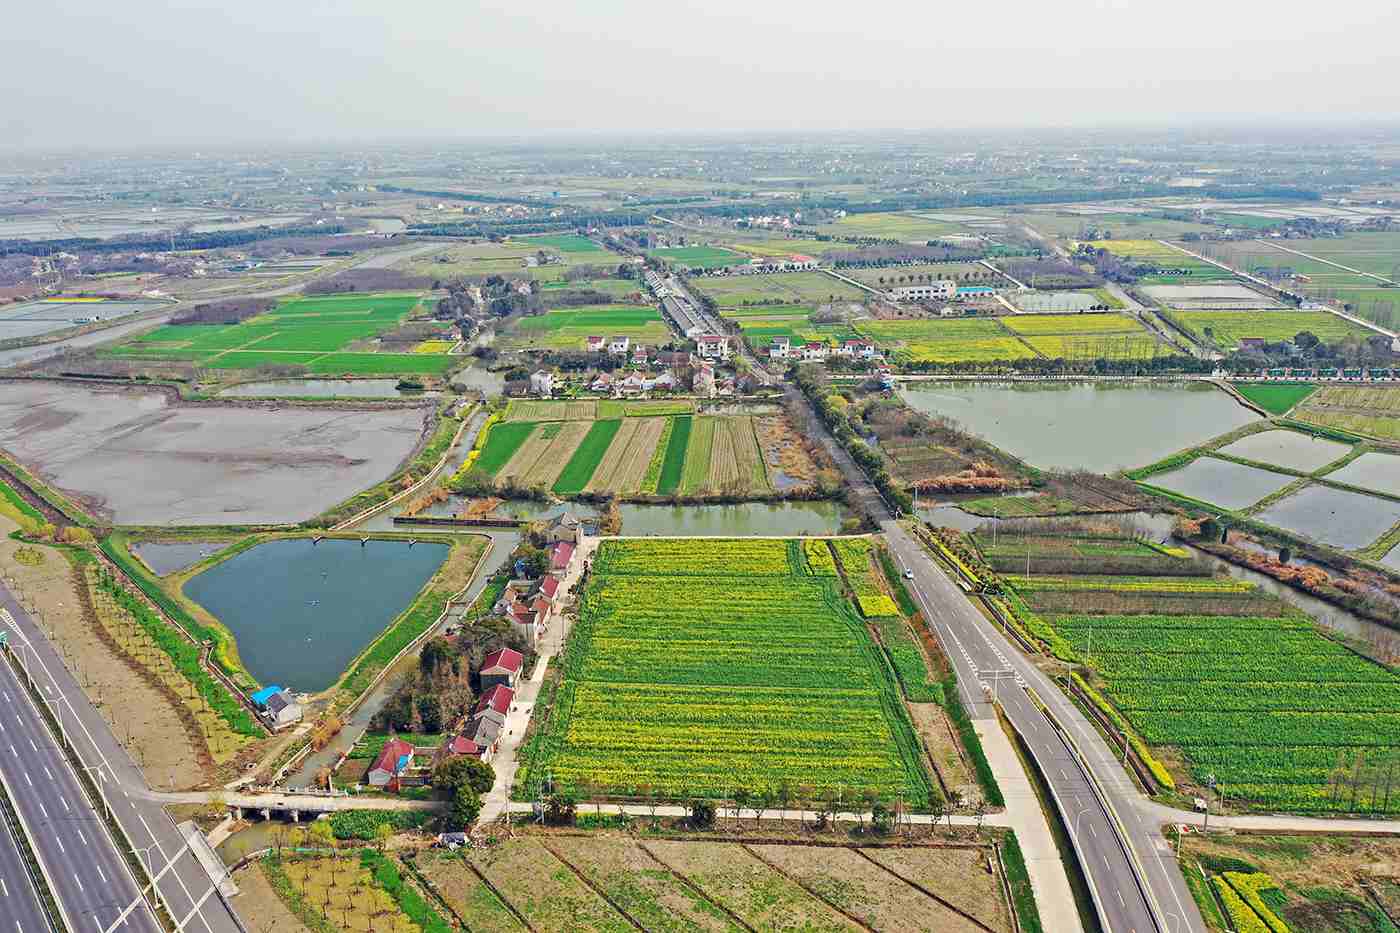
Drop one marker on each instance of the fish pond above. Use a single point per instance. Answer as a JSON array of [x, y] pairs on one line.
[[1301, 452], [1333, 516], [1380, 472], [301, 612], [319, 388], [165, 558], [1104, 427], [1229, 485]]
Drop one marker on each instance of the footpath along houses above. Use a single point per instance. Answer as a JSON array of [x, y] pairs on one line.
[[531, 606]]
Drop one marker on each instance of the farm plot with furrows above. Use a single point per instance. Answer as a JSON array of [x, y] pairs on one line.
[[1282, 716], [530, 452], [697, 455], [625, 464], [701, 666], [735, 461], [586, 457], [531, 410], [546, 470], [505, 440], [673, 463]]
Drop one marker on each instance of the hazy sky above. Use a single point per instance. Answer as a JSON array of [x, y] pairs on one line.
[[151, 72]]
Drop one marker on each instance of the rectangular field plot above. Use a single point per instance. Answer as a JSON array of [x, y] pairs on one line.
[[1227, 328], [778, 288], [1055, 301], [1373, 412], [1333, 516], [1265, 704], [1380, 472], [330, 335], [1290, 449], [634, 448], [909, 227], [700, 257], [569, 329], [1225, 297], [964, 273], [1232, 486], [1173, 266], [698, 666], [942, 341]]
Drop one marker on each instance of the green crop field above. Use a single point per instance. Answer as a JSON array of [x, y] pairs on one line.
[[586, 457], [674, 463], [1275, 397], [1234, 681], [1373, 411], [1267, 705], [1051, 336], [950, 340], [702, 667], [504, 441], [715, 455], [907, 227], [568, 329], [733, 291], [1227, 328], [569, 244], [614, 288], [759, 324], [1177, 267], [313, 332], [699, 257]]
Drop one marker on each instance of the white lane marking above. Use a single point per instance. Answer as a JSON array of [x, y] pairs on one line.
[[80, 882], [64, 800], [33, 746], [47, 773], [27, 779], [1093, 830], [61, 850], [4, 887], [43, 809], [101, 874], [83, 838]]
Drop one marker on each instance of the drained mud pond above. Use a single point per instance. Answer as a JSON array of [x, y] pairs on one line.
[[138, 457], [301, 612], [1104, 427]]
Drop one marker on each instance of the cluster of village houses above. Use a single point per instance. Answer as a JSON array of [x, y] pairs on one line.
[[671, 366], [530, 606]]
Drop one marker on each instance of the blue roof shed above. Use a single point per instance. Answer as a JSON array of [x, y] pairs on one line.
[[266, 693]]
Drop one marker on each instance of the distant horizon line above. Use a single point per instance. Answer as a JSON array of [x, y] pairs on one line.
[[1226, 129]]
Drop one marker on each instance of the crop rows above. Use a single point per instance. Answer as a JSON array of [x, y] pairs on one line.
[[700, 668], [1276, 712]]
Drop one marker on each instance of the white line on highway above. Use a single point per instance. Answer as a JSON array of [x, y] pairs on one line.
[[1093, 830], [47, 773], [82, 838], [101, 874], [28, 780], [1120, 898], [80, 882], [33, 746], [64, 800], [4, 887], [12, 750], [60, 845]]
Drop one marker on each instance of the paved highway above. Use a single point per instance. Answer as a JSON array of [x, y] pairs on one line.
[[981, 654], [20, 908], [184, 886], [86, 873]]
